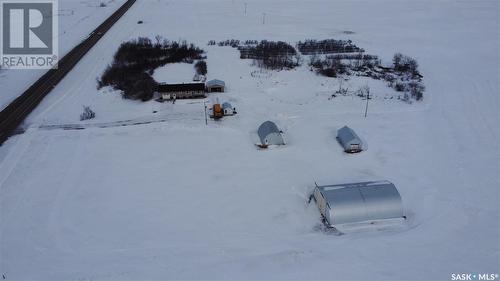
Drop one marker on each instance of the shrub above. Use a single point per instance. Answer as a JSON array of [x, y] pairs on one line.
[[328, 46], [399, 87], [271, 55], [87, 114], [416, 90], [405, 64], [201, 67]]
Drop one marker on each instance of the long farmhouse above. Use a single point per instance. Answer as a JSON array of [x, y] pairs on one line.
[[181, 91]]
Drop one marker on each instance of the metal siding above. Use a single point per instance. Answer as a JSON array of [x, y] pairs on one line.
[[361, 202], [347, 137], [347, 206], [382, 202], [269, 132], [274, 139]]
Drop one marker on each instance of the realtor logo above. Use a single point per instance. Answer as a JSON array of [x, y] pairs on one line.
[[29, 34]]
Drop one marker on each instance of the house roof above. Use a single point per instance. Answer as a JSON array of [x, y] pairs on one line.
[[360, 202], [165, 88], [216, 82]]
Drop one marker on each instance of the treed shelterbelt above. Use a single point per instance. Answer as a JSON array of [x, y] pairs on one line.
[[327, 46], [270, 54], [135, 62]]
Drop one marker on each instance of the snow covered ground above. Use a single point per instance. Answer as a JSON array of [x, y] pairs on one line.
[[175, 199], [77, 18]]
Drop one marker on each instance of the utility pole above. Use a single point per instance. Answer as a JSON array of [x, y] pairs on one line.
[[263, 18], [206, 120], [367, 99], [246, 7]]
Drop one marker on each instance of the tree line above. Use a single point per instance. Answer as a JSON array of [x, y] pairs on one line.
[[327, 46], [271, 54], [135, 61]]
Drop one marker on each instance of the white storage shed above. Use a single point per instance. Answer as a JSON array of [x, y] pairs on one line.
[[269, 134], [228, 109]]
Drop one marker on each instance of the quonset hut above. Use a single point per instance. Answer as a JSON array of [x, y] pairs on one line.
[[269, 134], [228, 109], [349, 140], [216, 85], [365, 202]]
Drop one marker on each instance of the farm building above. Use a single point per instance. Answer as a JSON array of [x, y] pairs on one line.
[[269, 134], [365, 202], [228, 109], [181, 91], [216, 86], [349, 140]]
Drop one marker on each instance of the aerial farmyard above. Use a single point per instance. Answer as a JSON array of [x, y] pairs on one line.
[[249, 140]]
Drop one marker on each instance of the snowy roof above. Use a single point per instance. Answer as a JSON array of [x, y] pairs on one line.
[[347, 136], [361, 202], [215, 82]]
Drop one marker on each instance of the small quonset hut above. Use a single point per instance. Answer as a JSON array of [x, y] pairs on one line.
[[228, 109], [349, 140], [365, 202], [269, 134]]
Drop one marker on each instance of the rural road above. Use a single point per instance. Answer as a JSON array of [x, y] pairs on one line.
[[14, 114]]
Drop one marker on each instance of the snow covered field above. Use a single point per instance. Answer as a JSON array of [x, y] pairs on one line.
[[77, 18], [175, 199]]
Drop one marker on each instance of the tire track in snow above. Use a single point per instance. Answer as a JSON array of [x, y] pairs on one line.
[[66, 188]]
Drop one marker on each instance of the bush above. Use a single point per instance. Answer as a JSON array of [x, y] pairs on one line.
[[330, 66], [405, 64], [87, 114], [201, 67], [399, 87], [271, 55], [328, 46], [416, 90]]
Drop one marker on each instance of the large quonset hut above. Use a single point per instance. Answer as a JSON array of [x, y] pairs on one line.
[[269, 134], [365, 202]]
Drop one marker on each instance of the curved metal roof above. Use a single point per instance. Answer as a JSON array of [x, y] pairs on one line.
[[215, 82], [270, 134], [360, 202], [347, 136]]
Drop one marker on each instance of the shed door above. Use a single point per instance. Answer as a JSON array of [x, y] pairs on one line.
[[320, 201]]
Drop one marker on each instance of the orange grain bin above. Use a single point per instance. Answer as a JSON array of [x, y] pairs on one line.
[[218, 113]]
